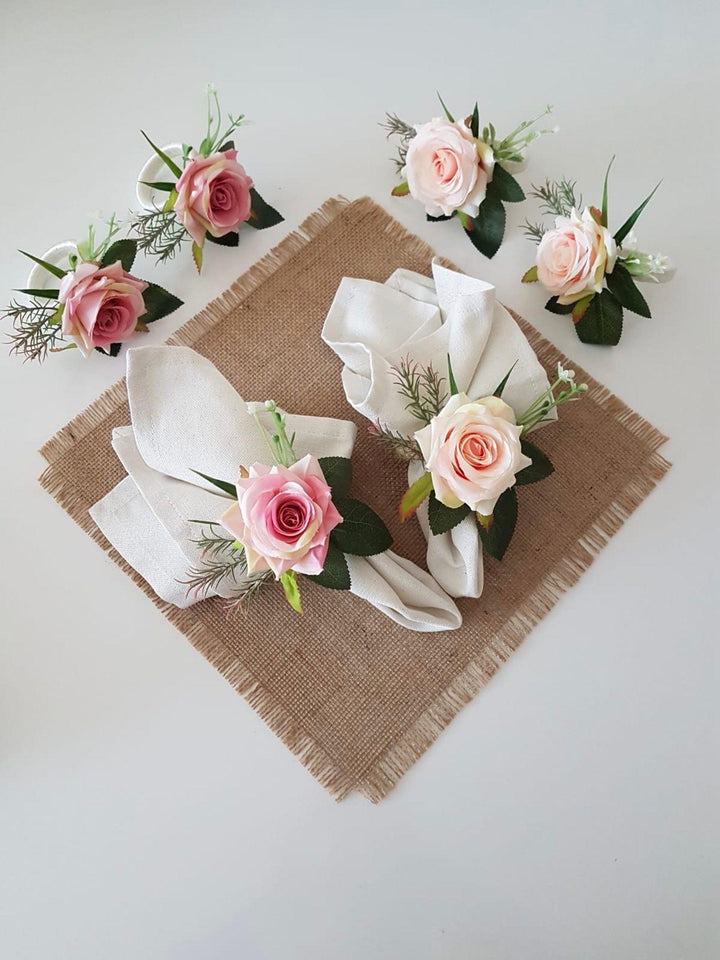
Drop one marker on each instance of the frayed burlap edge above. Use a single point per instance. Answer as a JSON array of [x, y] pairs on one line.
[[396, 761]]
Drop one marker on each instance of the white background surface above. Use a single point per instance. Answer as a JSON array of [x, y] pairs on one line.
[[571, 810]]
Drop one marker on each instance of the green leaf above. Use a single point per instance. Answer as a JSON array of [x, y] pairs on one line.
[[292, 591], [440, 218], [204, 148], [338, 474], [39, 292], [167, 186], [231, 239], [112, 352], [50, 267], [580, 306], [497, 530], [554, 307], [530, 276], [497, 392], [122, 250], [450, 117], [335, 574], [169, 204], [414, 496], [604, 210], [362, 532], [401, 190], [486, 231], [631, 220], [197, 255], [475, 121], [170, 164], [505, 186], [540, 467], [444, 518], [228, 145], [223, 485], [158, 303], [621, 283], [602, 321], [262, 215], [451, 379]]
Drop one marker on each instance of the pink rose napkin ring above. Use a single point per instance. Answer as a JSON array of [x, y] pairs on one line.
[[225, 498]]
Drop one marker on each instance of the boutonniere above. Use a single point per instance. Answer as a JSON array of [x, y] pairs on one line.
[[198, 195], [590, 272], [290, 517], [456, 169], [475, 452], [94, 301]]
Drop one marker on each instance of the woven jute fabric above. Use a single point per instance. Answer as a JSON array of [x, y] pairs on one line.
[[355, 697]]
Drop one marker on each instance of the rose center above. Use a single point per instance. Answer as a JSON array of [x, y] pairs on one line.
[[478, 450], [290, 516], [445, 165]]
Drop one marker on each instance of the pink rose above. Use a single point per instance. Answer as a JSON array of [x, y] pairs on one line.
[[472, 450], [213, 195], [283, 517], [573, 259], [447, 169], [102, 305]]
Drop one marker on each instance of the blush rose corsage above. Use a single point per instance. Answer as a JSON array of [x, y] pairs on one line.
[[590, 272], [208, 198], [97, 305], [290, 517], [475, 452], [455, 169]]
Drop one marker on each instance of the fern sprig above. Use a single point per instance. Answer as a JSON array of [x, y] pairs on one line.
[[422, 387], [398, 128], [159, 233], [37, 327], [405, 448], [557, 197]]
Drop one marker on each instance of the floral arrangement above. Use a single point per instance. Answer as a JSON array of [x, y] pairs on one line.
[[590, 272], [455, 169], [98, 304], [209, 196], [291, 517], [475, 452]]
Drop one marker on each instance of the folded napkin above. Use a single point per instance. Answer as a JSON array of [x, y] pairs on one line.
[[185, 417], [373, 326]]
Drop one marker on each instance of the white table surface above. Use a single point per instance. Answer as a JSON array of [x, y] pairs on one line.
[[571, 810]]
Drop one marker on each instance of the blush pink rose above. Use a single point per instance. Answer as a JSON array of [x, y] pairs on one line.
[[102, 305], [572, 259], [447, 169], [213, 195], [472, 450], [283, 517]]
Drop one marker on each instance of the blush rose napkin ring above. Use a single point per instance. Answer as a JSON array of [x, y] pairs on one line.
[[393, 338], [186, 417]]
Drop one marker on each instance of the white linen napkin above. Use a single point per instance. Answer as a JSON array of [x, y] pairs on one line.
[[373, 326], [186, 416]]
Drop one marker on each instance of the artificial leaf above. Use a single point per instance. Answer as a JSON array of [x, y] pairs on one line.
[[167, 186], [414, 496], [450, 117], [39, 292], [497, 392], [158, 303], [487, 229], [204, 148], [442, 518], [451, 379], [231, 239], [631, 220], [338, 474], [292, 591], [170, 164], [602, 321], [475, 121], [197, 255], [335, 574], [262, 215], [113, 351], [580, 306], [122, 250], [228, 145], [432, 219], [505, 186], [169, 204], [621, 283], [401, 190], [554, 307], [540, 467], [50, 267], [497, 530], [531, 275], [361, 532], [604, 211], [223, 485]]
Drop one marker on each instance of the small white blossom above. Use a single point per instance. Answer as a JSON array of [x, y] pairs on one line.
[[566, 375]]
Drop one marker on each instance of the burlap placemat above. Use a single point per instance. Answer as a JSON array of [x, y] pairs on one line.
[[355, 697]]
